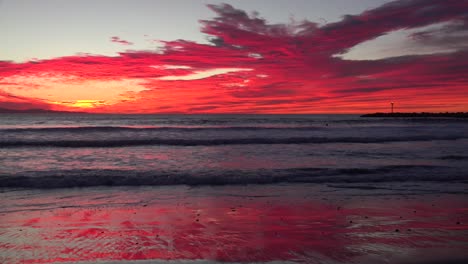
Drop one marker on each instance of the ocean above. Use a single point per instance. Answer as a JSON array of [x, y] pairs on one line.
[[91, 188], [78, 150]]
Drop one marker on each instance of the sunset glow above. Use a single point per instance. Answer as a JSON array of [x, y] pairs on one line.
[[402, 51], [82, 103]]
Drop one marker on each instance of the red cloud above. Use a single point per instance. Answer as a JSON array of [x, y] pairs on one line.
[[292, 67]]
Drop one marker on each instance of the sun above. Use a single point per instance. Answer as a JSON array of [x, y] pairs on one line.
[[83, 104]]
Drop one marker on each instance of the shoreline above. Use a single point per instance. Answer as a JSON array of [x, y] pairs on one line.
[[310, 223]]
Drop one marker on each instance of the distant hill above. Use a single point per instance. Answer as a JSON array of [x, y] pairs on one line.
[[35, 111], [422, 114]]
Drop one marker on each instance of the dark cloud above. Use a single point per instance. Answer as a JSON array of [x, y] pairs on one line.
[[10, 101], [120, 41], [451, 36]]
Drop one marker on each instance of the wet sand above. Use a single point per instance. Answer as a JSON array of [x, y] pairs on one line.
[[255, 223]]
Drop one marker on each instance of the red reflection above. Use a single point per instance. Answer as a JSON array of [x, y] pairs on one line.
[[145, 224]]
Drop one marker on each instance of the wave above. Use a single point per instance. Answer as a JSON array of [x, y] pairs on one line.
[[454, 157], [214, 142], [89, 178], [81, 129]]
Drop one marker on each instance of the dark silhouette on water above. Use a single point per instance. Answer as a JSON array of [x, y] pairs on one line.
[[421, 114]]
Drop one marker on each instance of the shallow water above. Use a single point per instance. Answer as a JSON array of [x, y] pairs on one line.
[[305, 223]]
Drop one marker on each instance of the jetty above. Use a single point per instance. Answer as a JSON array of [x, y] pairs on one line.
[[420, 114]]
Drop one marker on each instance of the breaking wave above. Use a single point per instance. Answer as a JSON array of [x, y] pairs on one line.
[[81, 129], [89, 178], [213, 142]]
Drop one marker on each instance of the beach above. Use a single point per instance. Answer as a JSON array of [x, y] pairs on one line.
[[241, 224], [232, 189]]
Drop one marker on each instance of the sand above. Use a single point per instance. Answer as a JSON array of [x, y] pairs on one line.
[[253, 223]]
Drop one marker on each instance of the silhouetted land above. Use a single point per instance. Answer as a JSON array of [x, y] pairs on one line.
[[422, 114], [35, 111]]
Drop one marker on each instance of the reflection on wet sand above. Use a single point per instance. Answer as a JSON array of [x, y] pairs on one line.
[[229, 224]]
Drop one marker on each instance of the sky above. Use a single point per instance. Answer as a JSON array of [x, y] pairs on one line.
[[238, 56]]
